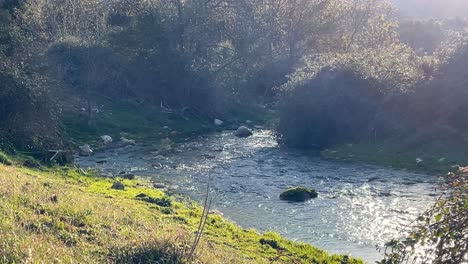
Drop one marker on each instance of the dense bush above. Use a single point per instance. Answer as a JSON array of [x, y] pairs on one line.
[[28, 115], [338, 106], [211, 57], [413, 100], [27, 107]]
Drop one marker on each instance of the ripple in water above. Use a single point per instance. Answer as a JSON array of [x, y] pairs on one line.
[[359, 206]]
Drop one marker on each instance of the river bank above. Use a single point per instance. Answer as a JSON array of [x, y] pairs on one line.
[[223, 241], [247, 175], [418, 159], [70, 215]]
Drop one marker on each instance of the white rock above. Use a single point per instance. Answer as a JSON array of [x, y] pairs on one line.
[[106, 139], [85, 150], [215, 212], [127, 141], [218, 122]]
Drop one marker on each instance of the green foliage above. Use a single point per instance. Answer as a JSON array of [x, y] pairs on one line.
[[270, 242], [338, 106], [4, 159], [440, 234], [164, 201], [393, 154]]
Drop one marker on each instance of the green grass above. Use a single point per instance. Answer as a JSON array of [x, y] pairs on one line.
[[61, 215], [148, 124], [394, 156], [139, 122]]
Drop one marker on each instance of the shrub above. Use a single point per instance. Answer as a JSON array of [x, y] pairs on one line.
[[4, 159], [164, 201], [440, 234], [337, 106]]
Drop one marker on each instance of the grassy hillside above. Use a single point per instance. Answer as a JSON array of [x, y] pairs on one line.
[[65, 215]]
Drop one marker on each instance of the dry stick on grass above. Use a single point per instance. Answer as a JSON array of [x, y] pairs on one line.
[[203, 217], [199, 235]]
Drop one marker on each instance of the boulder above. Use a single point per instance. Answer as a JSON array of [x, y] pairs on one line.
[[85, 150], [298, 194], [159, 185], [218, 122], [118, 186], [106, 139], [243, 132]]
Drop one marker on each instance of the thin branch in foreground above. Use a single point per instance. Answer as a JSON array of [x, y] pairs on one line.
[[203, 218]]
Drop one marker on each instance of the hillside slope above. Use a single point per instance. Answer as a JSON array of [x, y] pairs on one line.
[[62, 215]]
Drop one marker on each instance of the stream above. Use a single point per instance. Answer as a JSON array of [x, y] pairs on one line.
[[359, 206]]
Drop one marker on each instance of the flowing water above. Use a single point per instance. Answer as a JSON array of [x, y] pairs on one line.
[[359, 206]]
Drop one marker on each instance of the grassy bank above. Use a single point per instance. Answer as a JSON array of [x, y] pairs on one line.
[[65, 215], [148, 123], [424, 159]]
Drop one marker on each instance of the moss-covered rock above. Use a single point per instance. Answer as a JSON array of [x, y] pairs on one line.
[[298, 194]]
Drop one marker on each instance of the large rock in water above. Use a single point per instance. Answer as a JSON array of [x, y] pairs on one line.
[[243, 132], [106, 139], [298, 194]]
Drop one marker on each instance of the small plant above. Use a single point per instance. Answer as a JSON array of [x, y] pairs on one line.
[[164, 201], [272, 243], [4, 159]]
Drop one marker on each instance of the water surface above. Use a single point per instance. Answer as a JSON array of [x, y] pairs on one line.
[[359, 206]]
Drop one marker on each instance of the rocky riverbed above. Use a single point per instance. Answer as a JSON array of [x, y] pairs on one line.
[[358, 207]]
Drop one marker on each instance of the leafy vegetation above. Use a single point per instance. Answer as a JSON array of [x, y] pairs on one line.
[[349, 78], [440, 234], [413, 103]]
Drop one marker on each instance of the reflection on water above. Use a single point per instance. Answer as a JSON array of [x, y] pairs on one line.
[[359, 206]]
